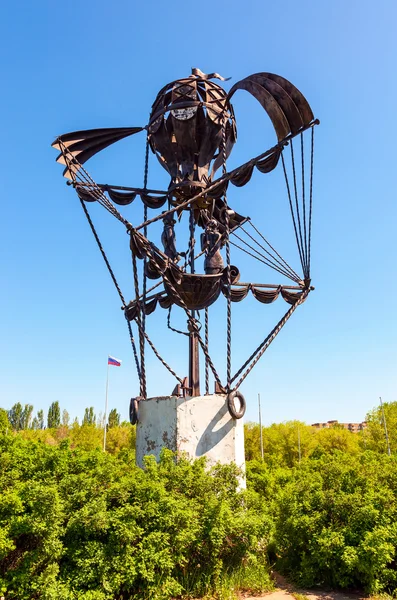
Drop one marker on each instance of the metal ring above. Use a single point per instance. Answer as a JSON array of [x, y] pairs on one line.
[[236, 414], [134, 405]]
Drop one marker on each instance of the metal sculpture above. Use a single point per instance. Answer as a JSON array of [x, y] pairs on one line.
[[191, 131]]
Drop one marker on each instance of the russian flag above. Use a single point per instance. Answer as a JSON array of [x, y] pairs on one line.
[[114, 361]]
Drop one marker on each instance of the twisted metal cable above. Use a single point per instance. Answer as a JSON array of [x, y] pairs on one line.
[[304, 202], [282, 263], [260, 350], [297, 206], [138, 320], [228, 279], [292, 212], [206, 332], [144, 277], [112, 275], [311, 197]]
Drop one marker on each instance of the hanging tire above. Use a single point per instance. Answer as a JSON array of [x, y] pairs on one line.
[[134, 405], [236, 414]]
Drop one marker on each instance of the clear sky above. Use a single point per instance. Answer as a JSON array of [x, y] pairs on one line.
[[79, 65]]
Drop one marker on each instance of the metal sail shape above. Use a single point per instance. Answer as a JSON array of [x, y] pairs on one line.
[[286, 106], [85, 144]]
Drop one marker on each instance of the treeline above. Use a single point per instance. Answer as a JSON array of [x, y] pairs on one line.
[[88, 435], [21, 417], [284, 444]]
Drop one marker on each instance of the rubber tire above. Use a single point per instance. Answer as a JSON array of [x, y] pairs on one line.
[[134, 405], [231, 406]]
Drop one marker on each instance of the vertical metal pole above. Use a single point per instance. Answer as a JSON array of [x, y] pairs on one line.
[[299, 444], [106, 408], [194, 365], [385, 426], [260, 425]]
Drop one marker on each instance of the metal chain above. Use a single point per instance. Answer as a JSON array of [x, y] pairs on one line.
[[258, 353], [228, 279], [112, 275]]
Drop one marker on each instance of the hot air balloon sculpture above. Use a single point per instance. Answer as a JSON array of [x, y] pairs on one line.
[[192, 131]]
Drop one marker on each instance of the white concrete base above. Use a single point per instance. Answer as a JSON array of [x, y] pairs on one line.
[[200, 426]]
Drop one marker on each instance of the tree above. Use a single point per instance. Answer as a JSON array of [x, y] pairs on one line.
[[40, 418], [89, 416], [15, 416], [114, 418], [54, 415], [375, 435], [65, 418], [4, 422], [26, 416]]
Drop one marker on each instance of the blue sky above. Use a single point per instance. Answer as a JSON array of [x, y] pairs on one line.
[[74, 65]]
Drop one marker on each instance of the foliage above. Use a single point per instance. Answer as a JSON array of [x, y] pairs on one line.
[[4, 422], [79, 523], [65, 418], [15, 416], [374, 437], [89, 416], [114, 418], [20, 417], [54, 415], [334, 519], [88, 525]]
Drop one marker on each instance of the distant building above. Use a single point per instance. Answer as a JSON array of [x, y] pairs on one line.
[[353, 427]]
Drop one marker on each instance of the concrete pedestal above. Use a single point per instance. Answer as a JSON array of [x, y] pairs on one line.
[[200, 426]]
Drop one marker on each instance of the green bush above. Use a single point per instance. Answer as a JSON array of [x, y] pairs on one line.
[[334, 520], [78, 524]]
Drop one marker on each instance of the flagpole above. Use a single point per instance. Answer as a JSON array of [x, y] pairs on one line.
[[106, 408], [260, 425]]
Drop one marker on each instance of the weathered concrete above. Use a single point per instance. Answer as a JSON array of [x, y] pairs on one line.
[[200, 426]]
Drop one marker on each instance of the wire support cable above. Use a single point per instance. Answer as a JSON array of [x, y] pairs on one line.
[[282, 261], [277, 266], [260, 350], [112, 275]]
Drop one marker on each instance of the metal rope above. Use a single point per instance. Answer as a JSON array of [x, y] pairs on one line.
[[283, 261], [112, 275], [292, 212], [157, 354], [226, 177], [207, 375], [194, 325], [257, 258], [258, 353], [173, 328], [274, 266], [304, 203], [228, 279], [311, 196], [138, 320], [297, 206], [144, 277], [80, 175]]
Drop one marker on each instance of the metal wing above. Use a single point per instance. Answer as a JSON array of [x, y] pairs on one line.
[[82, 145]]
